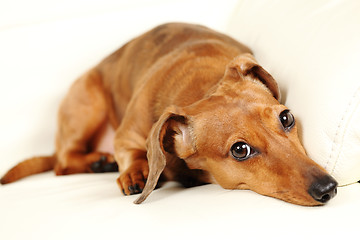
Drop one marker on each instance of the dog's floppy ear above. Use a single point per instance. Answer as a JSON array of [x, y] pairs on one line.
[[246, 65], [169, 135]]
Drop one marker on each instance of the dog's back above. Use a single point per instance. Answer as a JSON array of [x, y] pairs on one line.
[[154, 58]]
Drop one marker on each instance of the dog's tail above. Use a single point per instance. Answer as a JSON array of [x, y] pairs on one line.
[[29, 167]]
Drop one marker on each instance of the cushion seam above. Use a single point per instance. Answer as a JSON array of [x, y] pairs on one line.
[[342, 128]]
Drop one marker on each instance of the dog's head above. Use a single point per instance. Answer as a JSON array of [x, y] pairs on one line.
[[243, 138]]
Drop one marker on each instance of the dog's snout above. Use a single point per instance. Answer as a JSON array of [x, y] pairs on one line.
[[323, 189]]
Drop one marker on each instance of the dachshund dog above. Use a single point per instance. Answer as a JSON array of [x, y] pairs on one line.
[[183, 103]]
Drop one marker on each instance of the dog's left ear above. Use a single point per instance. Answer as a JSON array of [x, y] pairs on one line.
[[169, 135], [246, 65]]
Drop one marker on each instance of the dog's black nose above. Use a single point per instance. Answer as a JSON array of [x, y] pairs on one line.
[[323, 189]]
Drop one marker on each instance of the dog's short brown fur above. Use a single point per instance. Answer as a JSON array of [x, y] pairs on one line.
[[172, 103]]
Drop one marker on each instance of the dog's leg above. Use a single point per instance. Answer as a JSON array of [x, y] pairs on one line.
[[130, 154], [82, 118], [130, 147]]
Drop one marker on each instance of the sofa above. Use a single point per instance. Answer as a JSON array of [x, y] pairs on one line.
[[312, 49]]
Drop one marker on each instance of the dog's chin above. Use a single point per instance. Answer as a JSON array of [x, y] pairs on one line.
[[297, 200]]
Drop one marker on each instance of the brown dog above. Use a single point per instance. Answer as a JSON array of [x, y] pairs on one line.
[[189, 104]]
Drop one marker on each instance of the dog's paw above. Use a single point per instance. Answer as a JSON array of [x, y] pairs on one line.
[[133, 179], [106, 163]]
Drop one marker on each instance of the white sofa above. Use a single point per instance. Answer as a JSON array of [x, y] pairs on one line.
[[312, 48]]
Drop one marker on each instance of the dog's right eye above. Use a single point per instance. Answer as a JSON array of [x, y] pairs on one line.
[[241, 151]]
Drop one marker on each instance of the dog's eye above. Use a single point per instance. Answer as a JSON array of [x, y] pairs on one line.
[[241, 151], [287, 120]]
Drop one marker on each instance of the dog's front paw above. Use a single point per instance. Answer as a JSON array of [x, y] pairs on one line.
[[133, 179], [106, 163]]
